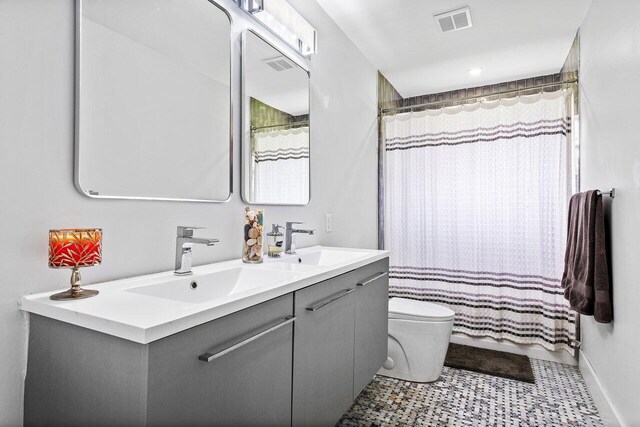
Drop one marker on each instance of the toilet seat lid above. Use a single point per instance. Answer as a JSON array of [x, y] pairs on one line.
[[408, 309]]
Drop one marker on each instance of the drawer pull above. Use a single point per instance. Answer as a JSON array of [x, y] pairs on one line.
[[209, 357], [329, 300], [372, 279]]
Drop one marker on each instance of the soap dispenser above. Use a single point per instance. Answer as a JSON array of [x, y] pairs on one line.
[[276, 240]]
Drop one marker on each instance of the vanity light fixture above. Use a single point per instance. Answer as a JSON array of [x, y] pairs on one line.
[[285, 22], [74, 248]]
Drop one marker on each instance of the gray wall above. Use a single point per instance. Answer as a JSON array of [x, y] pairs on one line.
[[37, 193], [610, 138]]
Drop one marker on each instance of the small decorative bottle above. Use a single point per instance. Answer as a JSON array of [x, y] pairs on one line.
[[253, 228], [276, 240]]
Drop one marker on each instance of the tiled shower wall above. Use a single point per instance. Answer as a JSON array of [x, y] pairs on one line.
[[265, 115], [571, 66], [388, 96], [488, 91]]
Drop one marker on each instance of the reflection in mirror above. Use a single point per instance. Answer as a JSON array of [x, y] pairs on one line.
[[275, 126], [153, 100]]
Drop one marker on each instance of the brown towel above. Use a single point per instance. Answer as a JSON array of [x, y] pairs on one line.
[[586, 273]]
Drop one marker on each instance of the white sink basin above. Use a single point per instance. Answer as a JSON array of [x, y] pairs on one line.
[[323, 257], [206, 287]]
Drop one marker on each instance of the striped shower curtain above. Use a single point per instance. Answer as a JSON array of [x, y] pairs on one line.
[[281, 166], [475, 215]]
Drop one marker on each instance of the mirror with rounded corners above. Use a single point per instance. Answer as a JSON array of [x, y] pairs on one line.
[[153, 100], [275, 126]]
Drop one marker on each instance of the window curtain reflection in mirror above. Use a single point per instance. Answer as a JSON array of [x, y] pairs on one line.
[[281, 165], [475, 215]]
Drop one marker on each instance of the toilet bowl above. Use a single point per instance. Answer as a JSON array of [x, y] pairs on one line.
[[419, 334]]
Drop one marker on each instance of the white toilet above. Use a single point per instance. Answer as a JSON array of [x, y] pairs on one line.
[[419, 334]]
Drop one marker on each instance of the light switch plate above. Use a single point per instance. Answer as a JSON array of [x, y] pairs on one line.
[[328, 226]]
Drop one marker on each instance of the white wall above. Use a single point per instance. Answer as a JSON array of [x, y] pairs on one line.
[[610, 138], [37, 192]]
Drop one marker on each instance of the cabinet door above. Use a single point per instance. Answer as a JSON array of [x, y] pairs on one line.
[[246, 380], [372, 312], [323, 352], [80, 377]]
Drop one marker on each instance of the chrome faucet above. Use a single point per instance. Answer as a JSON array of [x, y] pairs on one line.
[[289, 238], [184, 242]]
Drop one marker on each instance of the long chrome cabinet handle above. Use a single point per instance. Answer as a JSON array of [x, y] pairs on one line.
[[329, 300], [208, 357], [372, 279]]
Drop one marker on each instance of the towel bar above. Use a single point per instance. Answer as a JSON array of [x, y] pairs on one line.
[[611, 193]]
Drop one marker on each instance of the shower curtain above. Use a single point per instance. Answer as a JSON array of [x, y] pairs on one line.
[[281, 166], [475, 215]]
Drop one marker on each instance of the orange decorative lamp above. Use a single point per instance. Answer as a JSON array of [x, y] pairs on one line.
[[74, 248]]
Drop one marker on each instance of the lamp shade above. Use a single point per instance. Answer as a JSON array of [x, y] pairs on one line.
[[75, 247]]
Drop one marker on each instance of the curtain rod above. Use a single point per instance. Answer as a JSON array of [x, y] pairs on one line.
[[301, 123], [393, 110]]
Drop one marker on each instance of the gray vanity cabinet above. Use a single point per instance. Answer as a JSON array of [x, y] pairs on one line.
[[340, 342], [78, 376], [299, 359], [371, 325], [323, 352], [247, 380]]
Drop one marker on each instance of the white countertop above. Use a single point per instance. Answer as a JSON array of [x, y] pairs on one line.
[[143, 318]]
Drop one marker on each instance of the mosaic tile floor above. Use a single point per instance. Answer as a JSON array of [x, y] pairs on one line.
[[462, 398]]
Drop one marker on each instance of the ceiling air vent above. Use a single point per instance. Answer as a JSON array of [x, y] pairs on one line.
[[454, 20], [278, 63]]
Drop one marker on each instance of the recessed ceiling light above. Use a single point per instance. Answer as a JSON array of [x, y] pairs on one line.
[[475, 71]]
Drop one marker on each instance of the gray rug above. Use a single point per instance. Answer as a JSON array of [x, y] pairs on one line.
[[491, 362]]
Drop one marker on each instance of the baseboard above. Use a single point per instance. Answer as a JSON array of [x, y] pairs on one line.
[[607, 410], [534, 351]]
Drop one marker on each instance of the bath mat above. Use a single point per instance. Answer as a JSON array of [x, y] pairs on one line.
[[491, 362]]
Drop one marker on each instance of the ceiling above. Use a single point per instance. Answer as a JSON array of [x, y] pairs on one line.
[[509, 39], [286, 90]]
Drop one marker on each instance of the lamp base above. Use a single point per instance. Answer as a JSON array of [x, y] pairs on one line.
[[76, 292]]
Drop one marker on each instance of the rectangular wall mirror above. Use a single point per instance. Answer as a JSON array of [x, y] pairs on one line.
[[153, 100], [275, 126]]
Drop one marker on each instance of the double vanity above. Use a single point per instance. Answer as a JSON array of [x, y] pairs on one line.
[[291, 341]]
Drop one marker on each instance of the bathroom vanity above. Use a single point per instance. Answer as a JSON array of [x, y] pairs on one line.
[[287, 342]]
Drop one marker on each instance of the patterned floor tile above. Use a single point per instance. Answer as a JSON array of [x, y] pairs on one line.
[[462, 398]]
